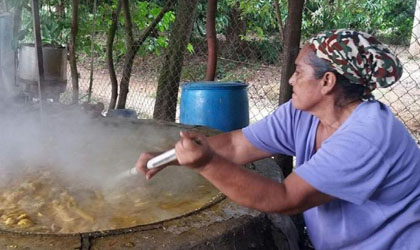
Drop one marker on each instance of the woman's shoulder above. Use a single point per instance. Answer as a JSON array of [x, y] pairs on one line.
[[374, 121], [373, 115]]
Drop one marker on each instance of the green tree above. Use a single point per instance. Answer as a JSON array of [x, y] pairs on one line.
[[391, 19]]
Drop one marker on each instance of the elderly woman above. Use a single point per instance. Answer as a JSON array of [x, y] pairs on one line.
[[357, 175]]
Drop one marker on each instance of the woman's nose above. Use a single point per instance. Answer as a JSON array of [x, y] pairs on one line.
[[292, 79]]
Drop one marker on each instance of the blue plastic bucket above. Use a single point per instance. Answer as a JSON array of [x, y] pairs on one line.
[[218, 105]]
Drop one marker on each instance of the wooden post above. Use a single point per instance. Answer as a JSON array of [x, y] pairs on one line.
[[38, 47], [415, 37], [211, 40], [290, 52]]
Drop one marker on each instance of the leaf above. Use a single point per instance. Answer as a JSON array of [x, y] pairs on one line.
[[155, 11], [190, 48]]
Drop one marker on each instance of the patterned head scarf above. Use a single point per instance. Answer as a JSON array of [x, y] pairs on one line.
[[359, 57]]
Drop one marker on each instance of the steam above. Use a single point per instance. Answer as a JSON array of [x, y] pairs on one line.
[[66, 140], [70, 154], [86, 152]]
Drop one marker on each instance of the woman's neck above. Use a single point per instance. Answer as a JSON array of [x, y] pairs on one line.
[[332, 116]]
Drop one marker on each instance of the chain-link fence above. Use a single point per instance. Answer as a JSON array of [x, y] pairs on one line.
[[242, 57], [263, 81]]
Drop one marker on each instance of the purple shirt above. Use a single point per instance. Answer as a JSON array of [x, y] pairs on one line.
[[371, 165]]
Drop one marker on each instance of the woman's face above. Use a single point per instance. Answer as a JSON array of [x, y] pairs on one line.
[[306, 88]]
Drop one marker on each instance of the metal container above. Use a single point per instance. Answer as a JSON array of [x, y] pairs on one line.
[[55, 70], [55, 63]]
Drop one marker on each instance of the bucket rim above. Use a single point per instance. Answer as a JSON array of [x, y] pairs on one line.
[[213, 85]]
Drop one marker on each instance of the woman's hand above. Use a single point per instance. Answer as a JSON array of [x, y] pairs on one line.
[[141, 164], [193, 150]]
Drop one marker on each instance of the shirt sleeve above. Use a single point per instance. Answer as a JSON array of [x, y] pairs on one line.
[[275, 133], [347, 166]]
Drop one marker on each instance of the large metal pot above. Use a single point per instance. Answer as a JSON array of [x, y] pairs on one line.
[[215, 224]]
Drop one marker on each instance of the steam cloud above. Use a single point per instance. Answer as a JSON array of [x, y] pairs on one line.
[[86, 151]]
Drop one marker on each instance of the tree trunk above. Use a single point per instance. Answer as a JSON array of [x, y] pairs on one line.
[[415, 37], [109, 58], [134, 47], [211, 40], [72, 52], [92, 54], [129, 56], [290, 52], [168, 82]]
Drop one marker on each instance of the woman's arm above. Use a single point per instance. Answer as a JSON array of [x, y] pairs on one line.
[[235, 147], [232, 146], [247, 188]]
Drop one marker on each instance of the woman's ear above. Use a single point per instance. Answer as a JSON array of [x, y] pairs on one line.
[[328, 83]]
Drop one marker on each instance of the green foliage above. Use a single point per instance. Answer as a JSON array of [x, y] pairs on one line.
[[55, 29], [261, 26], [393, 18], [397, 20], [389, 19], [260, 16]]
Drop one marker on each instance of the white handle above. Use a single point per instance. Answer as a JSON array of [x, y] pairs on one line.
[[127, 173], [162, 159], [155, 162]]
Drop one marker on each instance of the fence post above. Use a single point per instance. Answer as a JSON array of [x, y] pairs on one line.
[[415, 36], [290, 52]]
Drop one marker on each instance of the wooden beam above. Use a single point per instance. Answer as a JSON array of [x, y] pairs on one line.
[[211, 40]]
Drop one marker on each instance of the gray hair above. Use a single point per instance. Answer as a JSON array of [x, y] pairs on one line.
[[349, 90]]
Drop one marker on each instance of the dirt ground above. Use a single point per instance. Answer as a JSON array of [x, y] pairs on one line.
[[263, 81]]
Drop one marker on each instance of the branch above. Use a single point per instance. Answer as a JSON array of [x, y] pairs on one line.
[[109, 57], [132, 50], [152, 26], [279, 19], [72, 51]]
